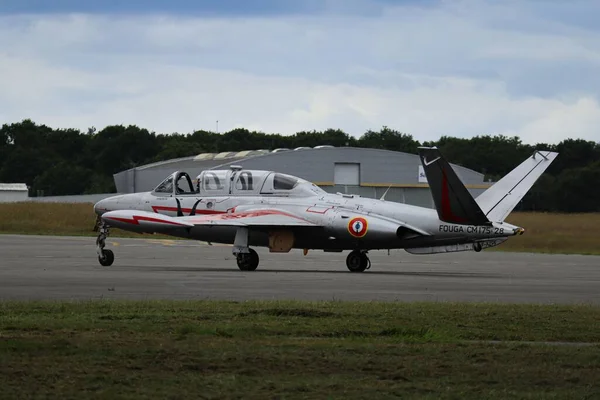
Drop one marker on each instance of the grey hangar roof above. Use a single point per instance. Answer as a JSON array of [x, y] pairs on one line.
[[364, 171]]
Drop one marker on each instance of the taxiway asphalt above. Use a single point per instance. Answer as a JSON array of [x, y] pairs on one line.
[[50, 267]]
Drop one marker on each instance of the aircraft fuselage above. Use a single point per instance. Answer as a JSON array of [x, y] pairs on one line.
[[279, 211], [384, 224]]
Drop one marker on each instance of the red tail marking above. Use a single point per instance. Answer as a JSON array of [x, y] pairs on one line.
[[446, 206]]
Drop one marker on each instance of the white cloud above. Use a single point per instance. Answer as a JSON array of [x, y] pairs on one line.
[[443, 70], [560, 120]]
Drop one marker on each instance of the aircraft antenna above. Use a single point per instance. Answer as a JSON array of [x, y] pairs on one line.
[[383, 197]]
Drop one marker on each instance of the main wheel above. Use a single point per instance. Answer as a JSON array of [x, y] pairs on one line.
[[357, 261], [477, 247], [107, 258], [248, 261]]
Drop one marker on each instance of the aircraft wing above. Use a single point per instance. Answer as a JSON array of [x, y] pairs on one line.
[[147, 221], [258, 217]]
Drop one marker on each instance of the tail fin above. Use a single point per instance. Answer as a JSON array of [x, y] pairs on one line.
[[500, 199], [452, 200]]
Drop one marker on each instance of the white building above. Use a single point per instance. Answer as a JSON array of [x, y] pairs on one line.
[[13, 192]]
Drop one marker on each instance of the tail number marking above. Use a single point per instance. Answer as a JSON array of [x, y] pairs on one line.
[[482, 230]]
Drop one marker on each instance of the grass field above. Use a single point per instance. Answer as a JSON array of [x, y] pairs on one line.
[[549, 233], [289, 350], [52, 219]]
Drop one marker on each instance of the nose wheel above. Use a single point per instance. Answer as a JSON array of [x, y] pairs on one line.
[[105, 256], [358, 261]]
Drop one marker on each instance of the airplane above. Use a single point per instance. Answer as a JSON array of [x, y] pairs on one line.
[[260, 208]]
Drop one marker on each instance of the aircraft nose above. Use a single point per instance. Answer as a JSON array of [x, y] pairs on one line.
[[101, 207]]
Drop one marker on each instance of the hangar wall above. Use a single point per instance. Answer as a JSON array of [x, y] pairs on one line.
[[362, 171], [13, 192]]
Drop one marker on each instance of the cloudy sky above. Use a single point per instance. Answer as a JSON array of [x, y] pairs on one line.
[[428, 68]]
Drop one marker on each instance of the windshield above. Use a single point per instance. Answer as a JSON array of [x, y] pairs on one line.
[[166, 186]]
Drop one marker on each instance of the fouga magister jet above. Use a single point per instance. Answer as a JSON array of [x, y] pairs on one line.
[[283, 212]]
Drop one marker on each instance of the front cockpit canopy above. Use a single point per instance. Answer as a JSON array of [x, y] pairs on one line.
[[177, 183], [237, 182]]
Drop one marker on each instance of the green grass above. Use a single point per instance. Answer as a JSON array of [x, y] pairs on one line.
[[555, 233], [31, 218], [289, 350]]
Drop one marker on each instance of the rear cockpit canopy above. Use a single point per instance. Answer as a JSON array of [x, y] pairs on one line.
[[237, 182]]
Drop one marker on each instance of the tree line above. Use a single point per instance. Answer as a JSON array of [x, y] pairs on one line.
[[70, 161]]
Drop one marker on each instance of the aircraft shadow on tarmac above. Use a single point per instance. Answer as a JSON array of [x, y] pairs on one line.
[[436, 274]]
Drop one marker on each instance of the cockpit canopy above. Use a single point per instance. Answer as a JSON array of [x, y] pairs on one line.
[[237, 182]]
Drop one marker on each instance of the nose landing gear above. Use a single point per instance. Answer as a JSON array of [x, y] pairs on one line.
[[357, 261], [105, 256]]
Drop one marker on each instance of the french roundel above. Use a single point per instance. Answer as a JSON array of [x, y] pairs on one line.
[[357, 226]]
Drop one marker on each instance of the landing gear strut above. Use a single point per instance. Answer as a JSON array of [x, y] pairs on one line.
[[247, 258], [105, 256], [357, 261]]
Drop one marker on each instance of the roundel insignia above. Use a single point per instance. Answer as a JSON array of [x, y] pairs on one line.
[[358, 226]]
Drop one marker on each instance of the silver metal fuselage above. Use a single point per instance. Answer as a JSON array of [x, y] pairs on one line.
[[390, 225]]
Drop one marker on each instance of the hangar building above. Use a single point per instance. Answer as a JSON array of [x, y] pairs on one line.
[[362, 171], [13, 192]]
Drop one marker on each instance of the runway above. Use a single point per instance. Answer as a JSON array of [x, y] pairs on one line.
[[48, 267]]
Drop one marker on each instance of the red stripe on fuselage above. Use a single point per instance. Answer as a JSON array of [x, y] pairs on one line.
[[156, 209], [135, 220], [245, 214]]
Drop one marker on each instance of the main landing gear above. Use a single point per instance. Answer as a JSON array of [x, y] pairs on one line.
[[247, 258], [105, 256], [357, 261], [247, 261]]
